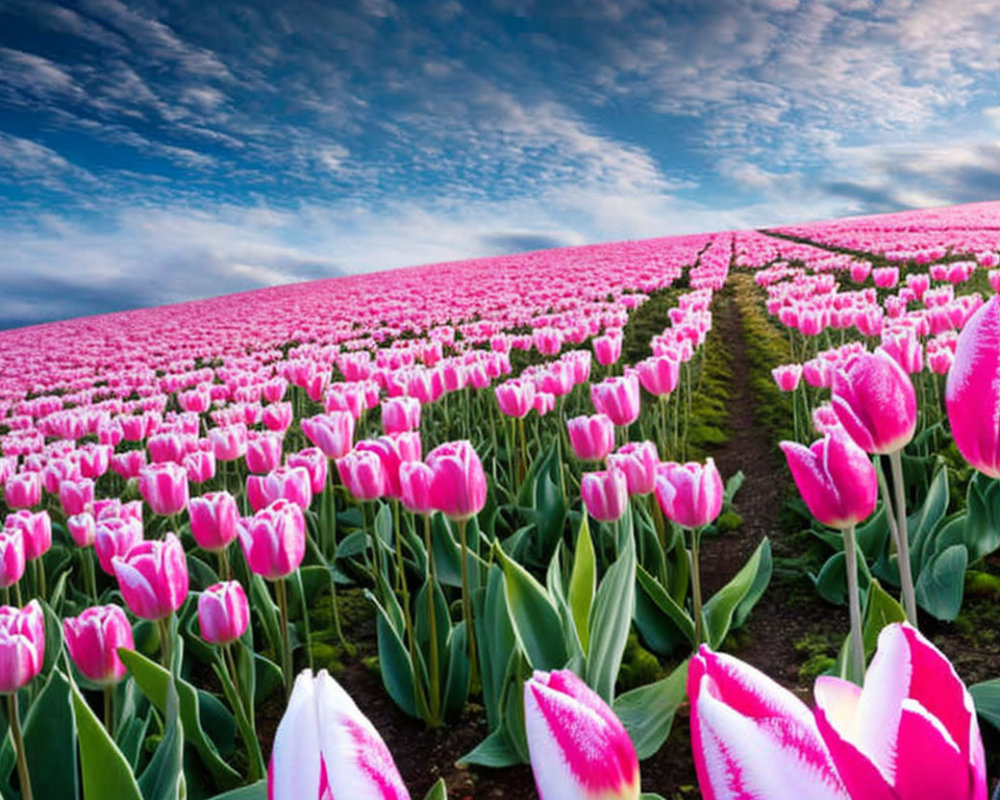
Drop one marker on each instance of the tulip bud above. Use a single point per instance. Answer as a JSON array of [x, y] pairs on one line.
[[313, 461], [604, 494], [164, 487], [223, 612], [23, 490], [361, 471], [200, 466], [592, 438], [214, 520], [689, 494], [153, 577], [12, 560], [82, 528], [618, 398], [515, 398], [415, 480], [874, 400], [290, 483], [264, 453], [115, 537], [638, 461], [76, 497], [332, 433], [277, 417], [400, 414], [93, 639], [659, 375], [458, 488], [608, 348], [787, 376], [274, 540], [22, 645]]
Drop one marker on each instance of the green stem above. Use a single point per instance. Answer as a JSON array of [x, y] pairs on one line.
[[109, 714], [166, 642], [89, 577], [467, 603], [903, 544], [225, 570], [696, 587], [286, 641], [14, 715], [854, 602], [227, 677], [411, 638], [435, 674]]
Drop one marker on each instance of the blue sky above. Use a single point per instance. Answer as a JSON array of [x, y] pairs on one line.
[[154, 151]]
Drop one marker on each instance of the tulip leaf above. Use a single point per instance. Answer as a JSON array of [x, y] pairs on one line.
[[582, 583], [394, 663], [648, 712], [155, 681], [496, 640], [533, 616], [495, 751], [255, 791], [651, 796], [267, 611], [986, 696], [163, 778], [104, 770], [882, 610], [921, 525], [456, 688], [610, 623], [53, 639], [50, 741], [981, 534], [831, 583], [941, 584], [439, 791], [721, 608], [665, 603]]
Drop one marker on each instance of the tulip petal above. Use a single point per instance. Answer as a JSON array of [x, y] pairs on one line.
[[294, 772], [931, 766]]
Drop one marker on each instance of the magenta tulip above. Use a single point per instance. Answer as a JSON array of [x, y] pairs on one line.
[[592, 438], [689, 494], [214, 520], [23, 490], [874, 400], [277, 417], [332, 433], [223, 612], [458, 488], [12, 560], [77, 496], [608, 348], [229, 443], [22, 645], [604, 494], [274, 540], [289, 483], [164, 487], [393, 450], [200, 466], [361, 471], [515, 398], [264, 453], [972, 395], [639, 462], [415, 481], [314, 462], [618, 398], [115, 536], [579, 749], [659, 375], [93, 639], [36, 528], [153, 577], [787, 376], [400, 414], [82, 528]]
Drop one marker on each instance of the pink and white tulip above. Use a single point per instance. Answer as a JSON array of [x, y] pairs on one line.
[[690, 494], [592, 438], [223, 612], [22, 645], [274, 540], [214, 520], [93, 639], [875, 401], [153, 577]]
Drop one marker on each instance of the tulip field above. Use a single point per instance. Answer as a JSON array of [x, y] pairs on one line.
[[707, 516]]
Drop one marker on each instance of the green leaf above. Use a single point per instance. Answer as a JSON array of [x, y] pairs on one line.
[[154, 681], [719, 610], [882, 610], [533, 616], [666, 604], [439, 791], [831, 583], [496, 641], [495, 751], [456, 688], [583, 583], [105, 771], [267, 678], [50, 740], [648, 712], [733, 485], [922, 524], [986, 696], [941, 583], [267, 612], [982, 530], [163, 778], [610, 623], [255, 791], [394, 663]]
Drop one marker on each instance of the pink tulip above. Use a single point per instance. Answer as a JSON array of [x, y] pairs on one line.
[[274, 540], [579, 749], [415, 481], [515, 398], [592, 438], [76, 496], [835, 477], [290, 483], [93, 639], [608, 349], [129, 464], [37, 531], [223, 612], [874, 400], [229, 443], [911, 732], [22, 645], [264, 453], [905, 348], [115, 537], [332, 433], [885, 277], [95, 460], [313, 461], [82, 528], [164, 487], [153, 577], [972, 395], [12, 560], [939, 362], [392, 451], [458, 488], [361, 471], [200, 466], [400, 414], [23, 490], [326, 748], [689, 494], [58, 470], [277, 417], [787, 376], [751, 738], [659, 375], [214, 520], [638, 460], [544, 403], [604, 494], [618, 398]]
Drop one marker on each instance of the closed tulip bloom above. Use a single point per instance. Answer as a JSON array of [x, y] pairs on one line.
[[164, 487], [153, 577], [787, 376], [415, 480], [200, 466], [277, 416], [361, 471], [214, 520], [400, 414], [515, 398], [82, 528], [93, 639], [393, 450], [905, 348], [690, 494], [579, 749], [264, 453], [325, 747], [638, 460], [223, 612], [751, 738], [115, 537], [544, 403], [129, 464], [835, 478], [22, 645], [604, 494], [608, 349], [23, 490], [911, 732], [36, 527], [95, 460], [274, 540], [874, 400], [659, 374], [592, 438], [289, 483], [229, 443], [313, 461], [618, 398], [12, 561], [972, 395], [332, 433], [458, 489], [76, 496], [58, 470]]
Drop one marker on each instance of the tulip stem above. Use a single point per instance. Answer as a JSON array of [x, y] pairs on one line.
[[696, 587], [226, 672], [14, 715], [166, 642], [225, 571], [89, 577], [662, 402], [854, 603], [523, 465], [903, 545], [435, 675], [286, 642], [404, 589], [109, 714], [467, 603]]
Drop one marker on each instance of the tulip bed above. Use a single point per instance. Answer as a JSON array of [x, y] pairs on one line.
[[495, 485]]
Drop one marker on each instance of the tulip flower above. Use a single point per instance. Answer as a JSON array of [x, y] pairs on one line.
[[325, 747], [76, 496], [332, 433], [153, 577], [751, 738], [264, 453], [400, 414], [604, 494], [274, 539], [164, 487], [115, 537], [22, 651], [639, 461], [277, 417], [288, 483], [223, 612], [82, 528], [200, 466], [12, 561], [875, 401], [608, 348], [515, 398], [911, 732], [393, 450], [659, 375], [618, 398], [787, 376], [23, 490], [972, 397], [592, 438], [415, 479], [37, 530], [93, 639], [129, 464], [229, 443], [313, 461], [458, 489], [361, 471], [214, 520], [579, 749]]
